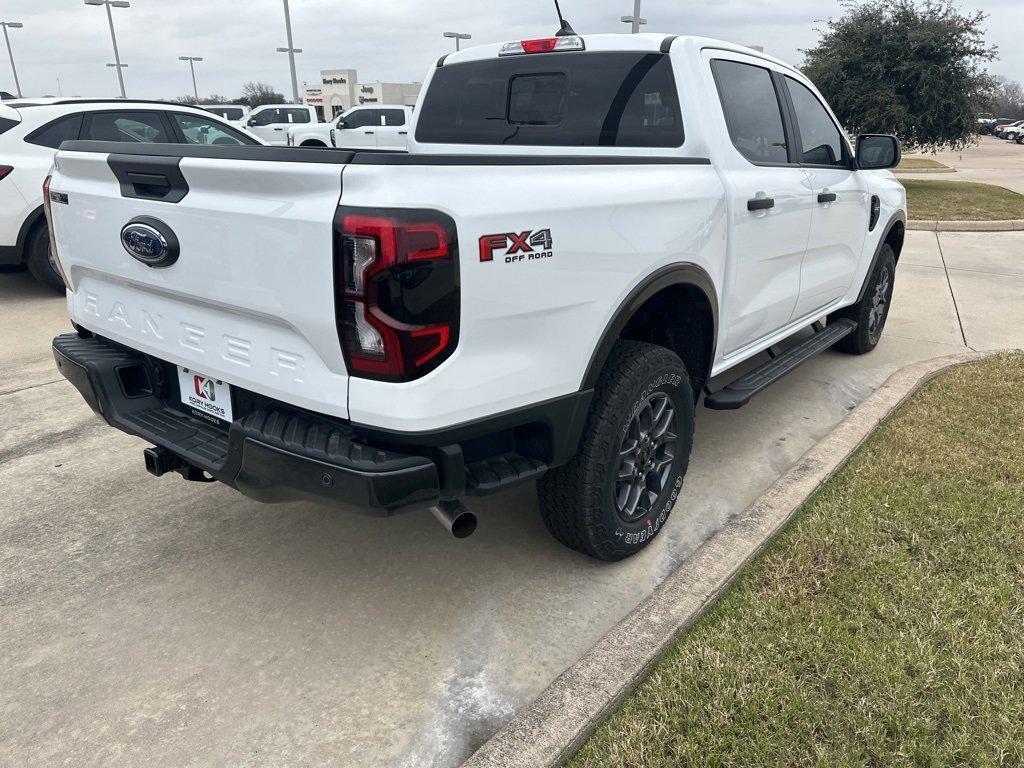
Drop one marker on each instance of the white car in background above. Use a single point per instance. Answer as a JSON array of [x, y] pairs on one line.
[[271, 121], [31, 130], [233, 113], [380, 126]]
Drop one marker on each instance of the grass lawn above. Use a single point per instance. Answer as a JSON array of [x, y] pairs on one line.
[[885, 626], [920, 164], [961, 201]]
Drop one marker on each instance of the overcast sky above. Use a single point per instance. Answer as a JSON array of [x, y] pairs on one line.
[[391, 40]]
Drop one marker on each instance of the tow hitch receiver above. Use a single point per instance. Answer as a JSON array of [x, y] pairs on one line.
[[160, 461]]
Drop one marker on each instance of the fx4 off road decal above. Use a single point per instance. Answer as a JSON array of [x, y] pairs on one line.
[[517, 246]]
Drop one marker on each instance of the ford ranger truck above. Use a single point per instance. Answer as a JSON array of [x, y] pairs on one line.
[[587, 233]]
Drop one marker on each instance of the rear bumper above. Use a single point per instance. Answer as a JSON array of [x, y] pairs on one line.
[[273, 452]]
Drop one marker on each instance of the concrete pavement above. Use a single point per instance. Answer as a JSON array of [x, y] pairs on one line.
[[152, 621], [991, 161]]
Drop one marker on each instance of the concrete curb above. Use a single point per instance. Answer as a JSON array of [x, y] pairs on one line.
[[900, 171], [562, 718], [1010, 225]]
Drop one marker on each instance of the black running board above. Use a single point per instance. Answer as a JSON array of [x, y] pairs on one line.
[[738, 393]]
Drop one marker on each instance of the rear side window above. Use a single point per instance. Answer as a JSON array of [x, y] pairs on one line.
[[6, 124], [199, 130], [296, 116], [752, 111], [228, 113], [822, 144], [393, 116], [144, 127], [51, 135], [558, 99]]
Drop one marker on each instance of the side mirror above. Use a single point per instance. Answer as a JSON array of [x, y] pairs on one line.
[[342, 125], [878, 150], [252, 122]]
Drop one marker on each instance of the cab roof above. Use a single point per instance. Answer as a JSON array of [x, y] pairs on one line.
[[647, 41]]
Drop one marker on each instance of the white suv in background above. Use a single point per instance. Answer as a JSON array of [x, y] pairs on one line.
[[271, 121], [381, 126], [31, 130]]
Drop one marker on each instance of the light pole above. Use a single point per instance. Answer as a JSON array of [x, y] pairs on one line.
[[12, 25], [635, 19], [458, 36], [291, 50], [113, 38], [192, 65]]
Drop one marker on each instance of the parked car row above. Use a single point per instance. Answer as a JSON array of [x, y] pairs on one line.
[[1004, 128], [1012, 132]]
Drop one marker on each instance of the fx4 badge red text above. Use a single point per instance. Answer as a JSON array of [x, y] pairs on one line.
[[517, 246]]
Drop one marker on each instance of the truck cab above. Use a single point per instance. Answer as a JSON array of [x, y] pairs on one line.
[[271, 122], [377, 126]]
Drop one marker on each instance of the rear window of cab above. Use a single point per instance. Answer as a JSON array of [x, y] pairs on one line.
[[614, 99]]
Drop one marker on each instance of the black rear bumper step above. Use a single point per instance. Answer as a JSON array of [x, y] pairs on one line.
[[274, 453], [738, 393], [500, 472]]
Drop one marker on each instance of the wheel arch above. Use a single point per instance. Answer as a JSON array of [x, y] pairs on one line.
[[687, 294], [34, 218], [895, 232], [313, 143]]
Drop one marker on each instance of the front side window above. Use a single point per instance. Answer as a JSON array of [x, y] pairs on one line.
[[361, 118], [620, 99], [752, 111], [821, 142], [142, 127], [199, 130], [265, 117], [65, 129]]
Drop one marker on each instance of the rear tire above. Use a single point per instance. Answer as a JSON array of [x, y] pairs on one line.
[[37, 256], [615, 495], [314, 144], [871, 312]]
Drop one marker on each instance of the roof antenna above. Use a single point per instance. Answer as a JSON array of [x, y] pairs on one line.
[[566, 28]]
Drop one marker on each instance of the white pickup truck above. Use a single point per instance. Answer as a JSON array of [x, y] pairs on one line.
[[585, 235], [376, 126]]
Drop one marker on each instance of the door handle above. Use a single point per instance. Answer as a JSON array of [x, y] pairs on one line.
[[826, 197], [760, 203], [403, 133], [368, 133], [279, 129]]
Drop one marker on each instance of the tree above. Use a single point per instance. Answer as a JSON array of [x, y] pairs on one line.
[[1007, 98], [255, 94], [213, 98], [897, 66]]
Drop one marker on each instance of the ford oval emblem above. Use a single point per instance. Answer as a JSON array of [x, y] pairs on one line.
[[150, 241]]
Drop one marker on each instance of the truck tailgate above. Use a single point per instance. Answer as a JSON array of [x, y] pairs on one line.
[[250, 299]]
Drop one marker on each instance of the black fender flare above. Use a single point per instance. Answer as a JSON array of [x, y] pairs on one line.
[[683, 273], [897, 218]]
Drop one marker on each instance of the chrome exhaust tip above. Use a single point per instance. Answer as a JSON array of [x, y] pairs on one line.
[[454, 516]]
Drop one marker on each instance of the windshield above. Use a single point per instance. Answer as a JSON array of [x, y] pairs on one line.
[[557, 99]]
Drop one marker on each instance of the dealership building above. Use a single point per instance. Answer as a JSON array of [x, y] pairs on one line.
[[340, 90]]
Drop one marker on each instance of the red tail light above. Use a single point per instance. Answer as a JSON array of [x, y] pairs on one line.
[[397, 291], [5, 170]]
